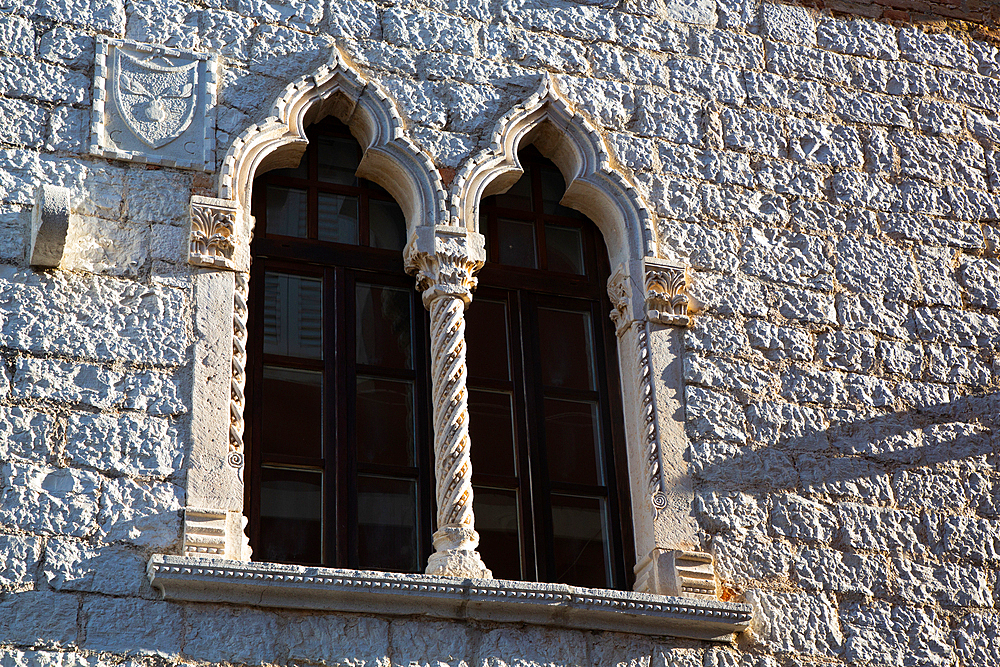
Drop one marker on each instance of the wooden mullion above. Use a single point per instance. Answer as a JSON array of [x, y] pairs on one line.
[[252, 407]]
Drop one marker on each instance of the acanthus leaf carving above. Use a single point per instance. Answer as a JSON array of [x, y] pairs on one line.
[[213, 233], [665, 287], [444, 261]]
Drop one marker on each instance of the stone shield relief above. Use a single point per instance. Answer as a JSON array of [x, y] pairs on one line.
[[154, 104]]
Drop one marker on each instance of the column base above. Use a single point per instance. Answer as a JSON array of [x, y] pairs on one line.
[[689, 574], [456, 554]]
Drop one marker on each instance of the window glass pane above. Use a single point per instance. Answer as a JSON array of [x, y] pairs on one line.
[[564, 249], [293, 315], [300, 171], [518, 196], [566, 344], [338, 160], [338, 218], [579, 532], [487, 336], [291, 516], [386, 225], [517, 243], [287, 211], [499, 535], [553, 189], [292, 404], [491, 428], [385, 421], [387, 524], [383, 326], [572, 441]]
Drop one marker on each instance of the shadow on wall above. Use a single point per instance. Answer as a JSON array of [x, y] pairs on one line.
[[929, 13]]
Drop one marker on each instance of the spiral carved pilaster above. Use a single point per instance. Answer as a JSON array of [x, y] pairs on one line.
[[237, 400]]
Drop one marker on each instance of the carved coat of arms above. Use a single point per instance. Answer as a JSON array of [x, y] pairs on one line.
[[156, 101], [154, 104]]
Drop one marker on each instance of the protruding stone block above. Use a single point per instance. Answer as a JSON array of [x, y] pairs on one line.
[[49, 225], [210, 533], [674, 572]]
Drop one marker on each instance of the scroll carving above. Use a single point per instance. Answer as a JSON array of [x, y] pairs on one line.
[[213, 233]]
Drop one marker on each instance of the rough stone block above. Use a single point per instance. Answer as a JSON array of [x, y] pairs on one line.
[[300, 13], [829, 570], [736, 14], [941, 160], [736, 205], [957, 365], [20, 556], [24, 433], [940, 50], [722, 295], [48, 501], [650, 34], [712, 82], [847, 351], [698, 246], [530, 645], [729, 48], [981, 279], [869, 391], [948, 584], [142, 513], [806, 306], [665, 116], [922, 394], [843, 477], [17, 36], [744, 560], [939, 117], [794, 427], [976, 638], [974, 539], [126, 444], [789, 178], [144, 626], [880, 529], [858, 37], [716, 336], [713, 414], [937, 276], [823, 143], [869, 266], [752, 130], [788, 23], [795, 623], [68, 130], [797, 259], [891, 318], [675, 198], [818, 216], [778, 342], [851, 188], [887, 634], [731, 511], [740, 378], [814, 386], [154, 393], [250, 636], [961, 327], [66, 382], [869, 108], [49, 83], [904, 359], [934, 231], [22, 123], [76, 566], [797, 517], [800, 61], [38, 618], [335, 639]]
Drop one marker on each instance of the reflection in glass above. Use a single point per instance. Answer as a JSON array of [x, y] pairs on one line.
[[287, 211], [572, 441], [293, 315], [338, 218], [291, 516], [499, 535], [387, 524], [564, 249], [518, 196], [299, 171], [517, 243], [487, 335], [338, 160], [386, 225], [579, 531], [383, 326], [385, 421], [566, 344], [292, 405], [553, 189], [491, 429]]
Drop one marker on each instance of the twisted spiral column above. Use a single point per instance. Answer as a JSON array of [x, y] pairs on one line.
[[444, 261], [237, 401]]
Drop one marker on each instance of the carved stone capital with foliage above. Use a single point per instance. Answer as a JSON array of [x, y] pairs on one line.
[[665, 286], [444, 261], [213, 233]]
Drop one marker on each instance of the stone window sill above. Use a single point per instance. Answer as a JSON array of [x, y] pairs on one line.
[[557, 605]]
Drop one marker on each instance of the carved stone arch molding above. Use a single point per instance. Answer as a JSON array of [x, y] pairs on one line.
[[221, 229], [650, 305]]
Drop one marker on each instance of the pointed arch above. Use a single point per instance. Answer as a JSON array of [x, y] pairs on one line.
[[595, 186], [339, 89]]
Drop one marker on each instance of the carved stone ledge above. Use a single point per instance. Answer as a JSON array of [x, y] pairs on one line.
[[556, 605], [214, 237], [49, 226], [689, 574]]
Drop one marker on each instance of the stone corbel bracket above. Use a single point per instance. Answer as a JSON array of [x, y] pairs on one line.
[[689, 574], [658, 294], [49, 226], [154, 104], [215, 533]]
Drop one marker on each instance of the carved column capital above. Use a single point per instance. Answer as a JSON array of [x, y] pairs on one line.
[[214, 235], [657, 294], [444, 261]]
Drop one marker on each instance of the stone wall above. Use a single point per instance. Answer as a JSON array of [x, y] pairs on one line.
[[833, 183]]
